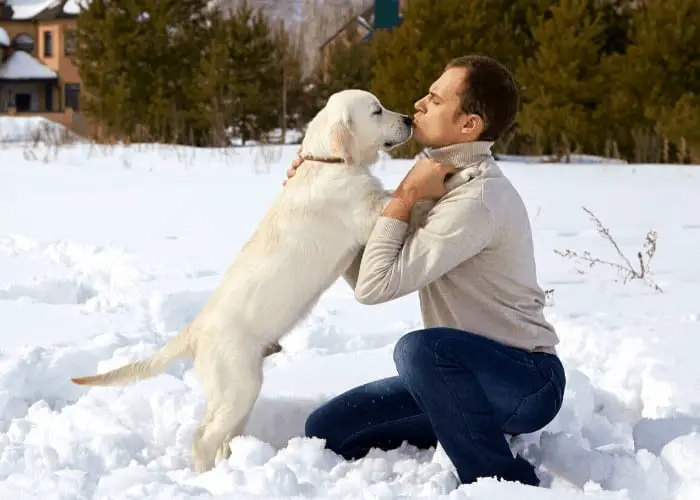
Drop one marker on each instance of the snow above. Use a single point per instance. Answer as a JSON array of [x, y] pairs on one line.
[[4, 38], [32, 129], [106, 251], [27, 9], [20, 66], [73, 7]]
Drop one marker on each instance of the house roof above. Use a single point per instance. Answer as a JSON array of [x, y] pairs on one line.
[[22, 66], [4, 38], [26, 10]]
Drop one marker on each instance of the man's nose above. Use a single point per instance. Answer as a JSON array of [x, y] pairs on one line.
[[419, 105]]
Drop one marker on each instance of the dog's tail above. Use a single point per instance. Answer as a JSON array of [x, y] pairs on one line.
[[178, 347]]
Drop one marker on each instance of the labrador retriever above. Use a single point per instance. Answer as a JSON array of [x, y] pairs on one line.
[[309, 235]]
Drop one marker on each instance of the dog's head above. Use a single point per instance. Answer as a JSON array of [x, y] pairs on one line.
[[354, 126]]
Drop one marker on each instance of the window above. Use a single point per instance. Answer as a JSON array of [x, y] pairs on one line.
[[72, 95], [70, 43], [48, 44], [23, 42]]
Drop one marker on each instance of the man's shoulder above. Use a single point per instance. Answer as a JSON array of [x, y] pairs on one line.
[[491, 191]]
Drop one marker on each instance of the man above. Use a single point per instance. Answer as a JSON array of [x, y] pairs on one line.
[[485, 365]]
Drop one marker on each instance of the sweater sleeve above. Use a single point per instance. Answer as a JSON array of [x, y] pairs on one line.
[[395, 264], [352, 271]]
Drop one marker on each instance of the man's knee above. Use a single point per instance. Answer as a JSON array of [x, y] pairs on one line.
[[317, 424], [414, 353]]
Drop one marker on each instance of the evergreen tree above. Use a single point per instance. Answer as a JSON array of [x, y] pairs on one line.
[[251, 74], [659, 72], [238, 87], [290, 80], [681, 125], [561, 82], [349, 66], [409, 58], [135, 59]]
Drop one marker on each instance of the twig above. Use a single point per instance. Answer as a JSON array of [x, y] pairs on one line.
[[626, 270]]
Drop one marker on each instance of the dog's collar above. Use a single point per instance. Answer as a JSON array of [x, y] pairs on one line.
[[323, 159]]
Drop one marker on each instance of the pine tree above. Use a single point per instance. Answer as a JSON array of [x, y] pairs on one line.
[[238, 90], [659, 72], [288, 57], [349, 65], [561, 81], [251, 74], [409, 58], [681, 125], [135, 58]]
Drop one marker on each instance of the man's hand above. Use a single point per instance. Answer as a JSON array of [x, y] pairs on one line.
[[295, 165], [425, 181]]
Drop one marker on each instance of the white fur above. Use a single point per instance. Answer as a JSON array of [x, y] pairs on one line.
[[304, 242]]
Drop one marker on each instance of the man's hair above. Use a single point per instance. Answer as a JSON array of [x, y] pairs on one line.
[[489, 91]]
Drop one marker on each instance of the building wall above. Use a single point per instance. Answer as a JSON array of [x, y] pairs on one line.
[[61, 61], [36, 90], [14, 28], [58, 60]]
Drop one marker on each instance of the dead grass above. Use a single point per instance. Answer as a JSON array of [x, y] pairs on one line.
[[625, 268]]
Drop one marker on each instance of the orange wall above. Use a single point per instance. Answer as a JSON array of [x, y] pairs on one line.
[[66, 68], [15, 28], [58, 61]]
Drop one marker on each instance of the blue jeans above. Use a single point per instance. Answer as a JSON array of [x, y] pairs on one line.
[[462, 389]]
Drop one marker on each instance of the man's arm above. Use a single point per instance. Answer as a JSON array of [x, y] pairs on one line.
[[394, 265]]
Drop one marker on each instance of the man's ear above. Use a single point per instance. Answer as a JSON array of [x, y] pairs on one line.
[[342, 139], [473, 125]]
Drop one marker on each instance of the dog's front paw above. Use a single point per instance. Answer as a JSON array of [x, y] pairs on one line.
[[224, 451]]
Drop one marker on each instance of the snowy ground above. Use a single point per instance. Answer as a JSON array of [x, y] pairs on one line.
[[106, 252]]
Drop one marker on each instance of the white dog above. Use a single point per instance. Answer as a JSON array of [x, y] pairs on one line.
[[304, 242]]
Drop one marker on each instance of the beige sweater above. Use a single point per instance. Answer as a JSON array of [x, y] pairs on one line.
[[470, 257]]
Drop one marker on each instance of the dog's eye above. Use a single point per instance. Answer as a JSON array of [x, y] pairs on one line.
[[377, 111]]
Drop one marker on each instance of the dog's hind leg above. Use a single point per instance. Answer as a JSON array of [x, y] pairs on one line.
[[231, 387], [225, 449]]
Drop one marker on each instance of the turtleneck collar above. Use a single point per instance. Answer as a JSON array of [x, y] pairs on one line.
[[461, 154], [469, 158]]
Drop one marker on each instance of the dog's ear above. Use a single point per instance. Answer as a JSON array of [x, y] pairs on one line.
[[342, 138]]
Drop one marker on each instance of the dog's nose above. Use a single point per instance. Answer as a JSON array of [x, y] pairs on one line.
[[408, 121]]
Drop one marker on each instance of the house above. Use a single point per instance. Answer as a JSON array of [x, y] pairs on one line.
[[37, 73], [382, 14]]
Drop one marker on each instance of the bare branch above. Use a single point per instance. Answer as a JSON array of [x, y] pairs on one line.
[[625, 269]]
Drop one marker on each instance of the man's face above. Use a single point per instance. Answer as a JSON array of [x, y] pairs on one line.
[[439, 120]]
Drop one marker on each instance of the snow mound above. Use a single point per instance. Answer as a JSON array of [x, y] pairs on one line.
[[34, 129], [105, 253]]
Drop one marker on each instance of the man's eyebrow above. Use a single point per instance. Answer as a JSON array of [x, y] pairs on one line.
[[433, 94]]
